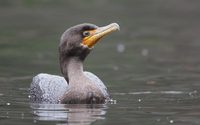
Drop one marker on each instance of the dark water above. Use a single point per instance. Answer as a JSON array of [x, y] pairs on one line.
[[151, 67]]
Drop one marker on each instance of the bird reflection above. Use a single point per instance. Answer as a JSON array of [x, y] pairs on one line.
[[69, 114]]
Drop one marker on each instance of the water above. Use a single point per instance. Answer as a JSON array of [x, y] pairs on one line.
[[151, 67]]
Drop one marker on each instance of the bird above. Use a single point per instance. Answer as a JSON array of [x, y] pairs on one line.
[[76, 86]]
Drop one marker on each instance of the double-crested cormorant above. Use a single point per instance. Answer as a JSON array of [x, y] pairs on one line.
[[77, 86]]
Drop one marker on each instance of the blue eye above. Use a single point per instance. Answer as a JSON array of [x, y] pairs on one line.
[[86, 33]]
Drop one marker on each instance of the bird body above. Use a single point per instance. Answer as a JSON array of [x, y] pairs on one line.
[[47, 88], [76, 85]]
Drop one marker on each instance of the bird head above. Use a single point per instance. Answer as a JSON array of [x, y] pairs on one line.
[[79, 40]]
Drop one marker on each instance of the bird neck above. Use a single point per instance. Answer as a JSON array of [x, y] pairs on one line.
[[74, 69]]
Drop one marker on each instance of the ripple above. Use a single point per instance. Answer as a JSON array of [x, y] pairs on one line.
[[120, 48], [152, 92]]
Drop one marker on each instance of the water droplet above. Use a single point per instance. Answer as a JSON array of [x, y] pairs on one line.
[[120, 48], [145, 52], [7, 103], [116, 68], [171, 121], [111, 101]]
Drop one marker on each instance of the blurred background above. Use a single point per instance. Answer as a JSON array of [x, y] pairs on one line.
[[151, 67]]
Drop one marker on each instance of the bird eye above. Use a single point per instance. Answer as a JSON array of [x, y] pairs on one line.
[[86, 33]]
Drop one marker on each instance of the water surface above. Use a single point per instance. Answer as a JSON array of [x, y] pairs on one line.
[[151, 67]]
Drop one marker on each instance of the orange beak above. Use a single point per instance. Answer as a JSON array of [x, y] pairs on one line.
[[98, 33]]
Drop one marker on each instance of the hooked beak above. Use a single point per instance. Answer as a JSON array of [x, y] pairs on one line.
[[98, 33]]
